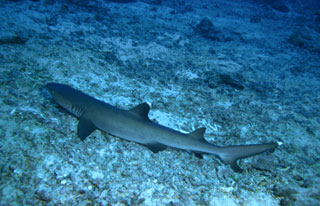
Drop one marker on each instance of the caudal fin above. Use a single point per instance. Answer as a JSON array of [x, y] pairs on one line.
[[230, 155]]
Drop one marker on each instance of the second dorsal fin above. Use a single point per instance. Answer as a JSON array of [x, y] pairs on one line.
[[141, 110], [198, 134]]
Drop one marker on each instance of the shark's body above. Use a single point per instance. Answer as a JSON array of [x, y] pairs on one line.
[[135, 125]]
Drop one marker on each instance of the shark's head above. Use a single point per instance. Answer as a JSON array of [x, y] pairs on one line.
[[70, 99], [61, 94]]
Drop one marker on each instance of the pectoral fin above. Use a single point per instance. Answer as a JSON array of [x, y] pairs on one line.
[[156, 147], [198, 155], [85, 128]]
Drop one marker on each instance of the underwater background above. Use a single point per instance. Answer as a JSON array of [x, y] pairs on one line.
[[247, 70]]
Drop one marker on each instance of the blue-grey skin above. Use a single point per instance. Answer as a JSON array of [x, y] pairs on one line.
[[135, 125]]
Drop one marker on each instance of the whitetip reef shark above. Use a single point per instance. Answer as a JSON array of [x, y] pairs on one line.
[[135, 125]]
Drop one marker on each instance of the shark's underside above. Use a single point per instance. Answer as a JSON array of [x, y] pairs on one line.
[[135, 125]]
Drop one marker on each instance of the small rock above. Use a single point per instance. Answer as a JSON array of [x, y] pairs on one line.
[[51, 21], [255, 19], [206, 28], [13, 40], [281, 8], [123, 1], [152, 2], [79, 2], [43, 196], [230, 81], [299, 40]]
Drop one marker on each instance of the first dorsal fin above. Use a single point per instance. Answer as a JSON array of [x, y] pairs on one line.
[[142, 110], [198, 134]]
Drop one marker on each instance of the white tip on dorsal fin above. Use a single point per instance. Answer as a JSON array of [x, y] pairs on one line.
[[142, 110], [198, 134]]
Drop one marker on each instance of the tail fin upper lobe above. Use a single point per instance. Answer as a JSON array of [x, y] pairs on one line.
[[231, 154]]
